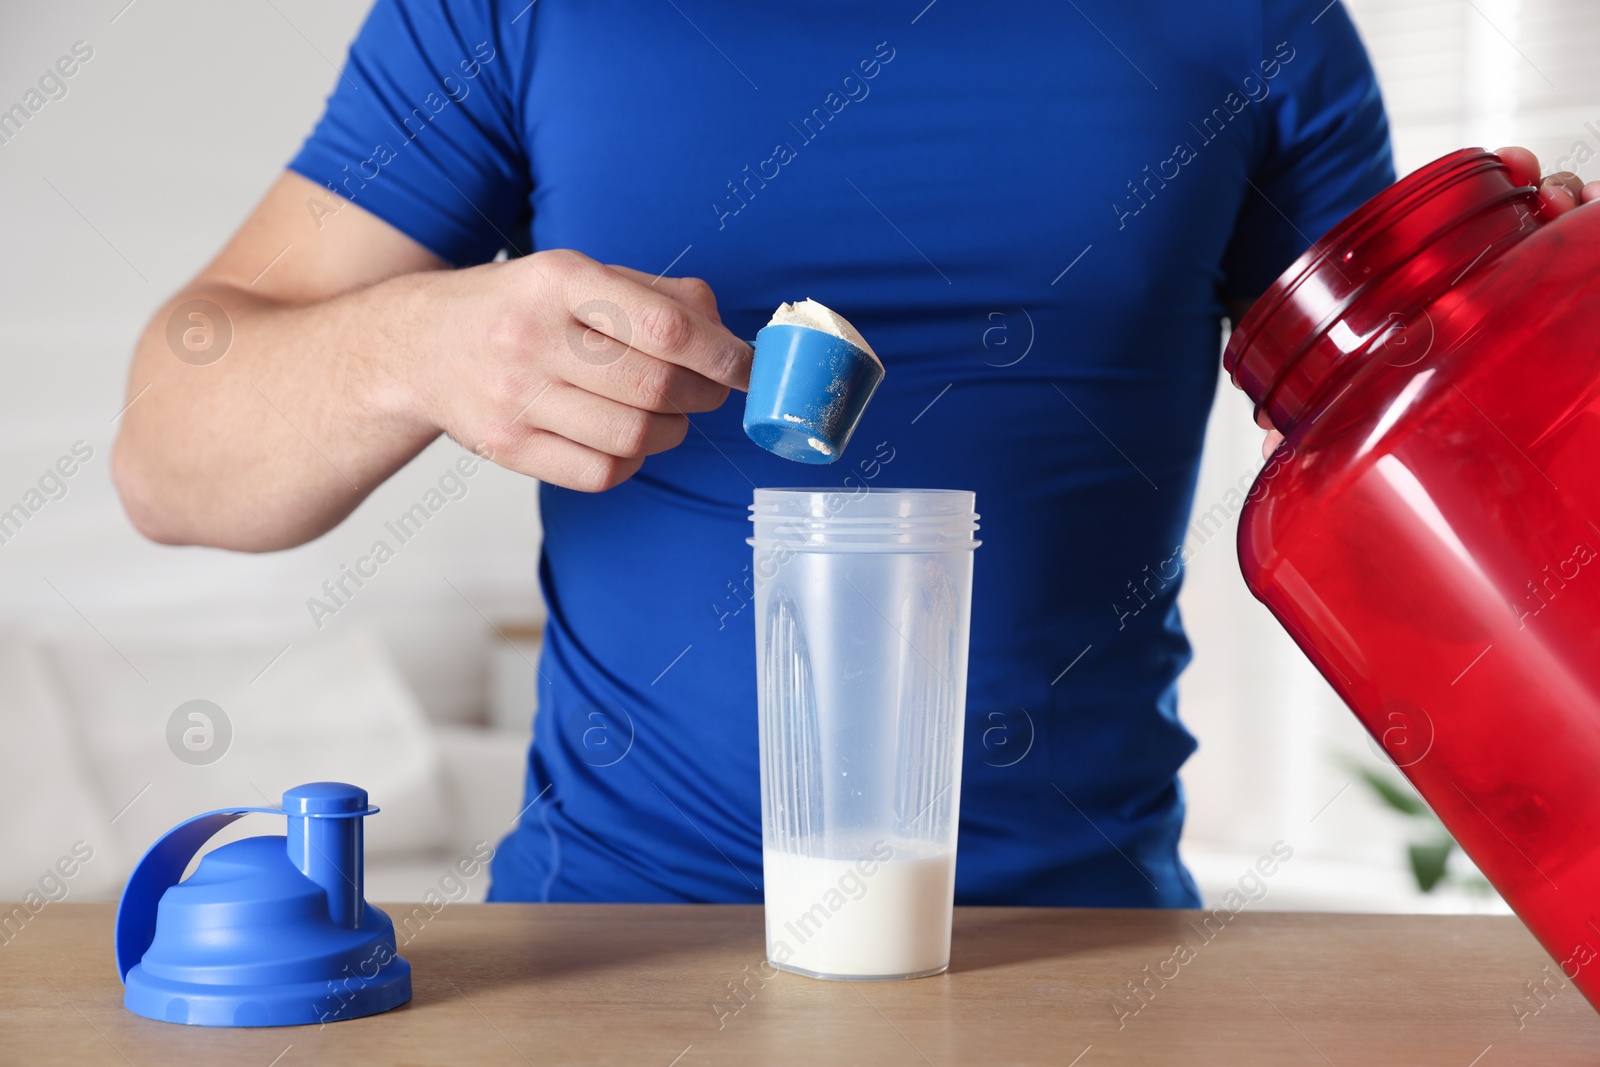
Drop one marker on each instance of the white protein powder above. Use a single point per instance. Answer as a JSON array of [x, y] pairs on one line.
[[860, 918], [809, 313]]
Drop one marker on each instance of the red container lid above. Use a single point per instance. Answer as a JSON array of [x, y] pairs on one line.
[[1372, 276]]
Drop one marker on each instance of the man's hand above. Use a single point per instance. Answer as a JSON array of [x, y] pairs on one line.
[[334, 348], [1559, 193], [570, 371]]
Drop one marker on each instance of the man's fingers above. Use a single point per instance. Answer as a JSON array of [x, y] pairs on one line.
[[609, 368], [1524, 164], [1568, 181], [552, 458], [1560, 193], [654, 322], [605, 425], [692, 291]]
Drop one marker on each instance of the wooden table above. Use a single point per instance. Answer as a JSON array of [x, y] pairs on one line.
[[613, 984]]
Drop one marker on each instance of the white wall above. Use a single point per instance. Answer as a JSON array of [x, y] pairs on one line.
[[1488, 73], [114, 195]]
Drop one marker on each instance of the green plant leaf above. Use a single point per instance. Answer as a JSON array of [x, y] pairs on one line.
[[1391, 793], [1428, 862]]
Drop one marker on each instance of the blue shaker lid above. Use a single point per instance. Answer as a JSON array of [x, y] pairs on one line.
[[268, 931], [326, 798]]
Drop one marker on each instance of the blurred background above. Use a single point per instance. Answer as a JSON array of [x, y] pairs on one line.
[[140, 684]]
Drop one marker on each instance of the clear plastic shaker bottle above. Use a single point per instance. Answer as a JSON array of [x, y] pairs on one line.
[[863, 600]]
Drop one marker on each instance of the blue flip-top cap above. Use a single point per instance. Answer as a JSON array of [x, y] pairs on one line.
[[268, 931], [326, 798]]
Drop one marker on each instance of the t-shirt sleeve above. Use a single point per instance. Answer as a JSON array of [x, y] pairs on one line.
[[422, 128], [1324, 149]]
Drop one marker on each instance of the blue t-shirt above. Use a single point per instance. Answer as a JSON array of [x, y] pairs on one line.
[[1036, 214]]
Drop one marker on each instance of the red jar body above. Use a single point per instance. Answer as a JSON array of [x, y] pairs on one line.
[[1430, 530]]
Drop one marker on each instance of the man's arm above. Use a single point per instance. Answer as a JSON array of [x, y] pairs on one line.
[[354, 349]]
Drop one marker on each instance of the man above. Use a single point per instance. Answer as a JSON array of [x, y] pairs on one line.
[[1039, 219]]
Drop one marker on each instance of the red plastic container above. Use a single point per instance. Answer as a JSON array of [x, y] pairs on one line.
[[1430, 531]]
